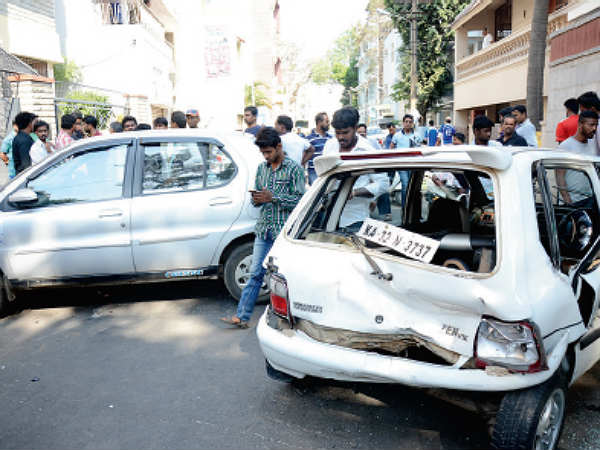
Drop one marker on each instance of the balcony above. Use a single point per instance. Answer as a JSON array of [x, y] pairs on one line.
[[507, 51]]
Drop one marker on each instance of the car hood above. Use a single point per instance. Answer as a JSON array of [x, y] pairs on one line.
[[336, 288]]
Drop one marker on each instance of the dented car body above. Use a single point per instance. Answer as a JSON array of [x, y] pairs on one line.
[[504, 300]]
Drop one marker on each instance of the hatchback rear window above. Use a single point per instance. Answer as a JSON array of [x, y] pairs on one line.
[[454, 207]]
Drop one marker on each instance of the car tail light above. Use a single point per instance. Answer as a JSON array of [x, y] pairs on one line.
[[513, 345], [280, 304]]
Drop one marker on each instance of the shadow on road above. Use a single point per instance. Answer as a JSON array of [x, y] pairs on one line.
[[94, 296]]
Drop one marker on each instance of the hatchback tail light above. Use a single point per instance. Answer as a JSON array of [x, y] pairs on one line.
[[514, 345], [280, 303]]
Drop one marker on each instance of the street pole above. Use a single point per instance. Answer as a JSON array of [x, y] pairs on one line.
[[413, 57]]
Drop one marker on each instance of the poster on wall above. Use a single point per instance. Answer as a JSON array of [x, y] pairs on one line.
[[217, 52]]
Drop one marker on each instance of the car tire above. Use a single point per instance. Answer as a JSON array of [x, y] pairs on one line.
[[6, 306], [532, 418], [236, 272]]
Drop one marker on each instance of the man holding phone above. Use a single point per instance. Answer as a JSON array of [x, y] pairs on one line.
[[278, 188]]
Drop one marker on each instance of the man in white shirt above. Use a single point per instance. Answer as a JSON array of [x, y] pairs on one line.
[[574, 185], [295, 147], [487, 39], [41, 148], [525, 128], [367, 187], [482, 129]]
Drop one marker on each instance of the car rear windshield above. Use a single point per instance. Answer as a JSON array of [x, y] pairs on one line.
[[451, 208]]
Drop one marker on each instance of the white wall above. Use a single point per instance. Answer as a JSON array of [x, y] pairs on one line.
[[132, 59]]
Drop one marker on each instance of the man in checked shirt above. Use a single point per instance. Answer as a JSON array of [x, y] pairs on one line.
[[279, 185]]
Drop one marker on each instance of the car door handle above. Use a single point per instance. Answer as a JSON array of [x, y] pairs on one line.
[[220, 201], [110, 213]]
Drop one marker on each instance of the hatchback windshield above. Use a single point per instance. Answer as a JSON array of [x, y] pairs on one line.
[[451, 208]]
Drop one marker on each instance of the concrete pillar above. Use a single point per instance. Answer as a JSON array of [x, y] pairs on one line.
[[139, 107], [36, 95]]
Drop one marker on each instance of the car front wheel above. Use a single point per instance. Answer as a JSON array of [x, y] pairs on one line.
[[532, 419], [236, 273]]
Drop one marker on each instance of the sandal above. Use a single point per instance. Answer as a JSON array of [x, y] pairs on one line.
[[238, 323]]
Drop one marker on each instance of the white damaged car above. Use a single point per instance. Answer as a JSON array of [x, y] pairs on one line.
[[487, 281]]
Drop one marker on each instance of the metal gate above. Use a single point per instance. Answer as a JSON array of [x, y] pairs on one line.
[[105, 113]]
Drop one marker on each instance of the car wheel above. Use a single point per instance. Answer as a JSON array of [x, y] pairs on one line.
[[532, 418], [236, 273], [6, 306]]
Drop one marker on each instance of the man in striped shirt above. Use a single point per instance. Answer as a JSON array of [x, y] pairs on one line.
[[279, 186], [317, 139]]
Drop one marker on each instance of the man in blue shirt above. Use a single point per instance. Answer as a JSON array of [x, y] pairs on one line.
[[405, 139], [447, 131], [317, 139], [388, 139], [250, 113], [6, 150], [432, 135]]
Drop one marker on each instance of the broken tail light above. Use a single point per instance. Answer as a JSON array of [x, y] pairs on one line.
[[280, 304], [513, 345]]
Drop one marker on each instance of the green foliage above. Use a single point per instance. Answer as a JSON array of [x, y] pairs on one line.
[[260, 97], [67, 71], [100, 110], [435, 49], [340, 65]]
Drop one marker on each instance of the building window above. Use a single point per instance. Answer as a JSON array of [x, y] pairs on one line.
[[556, 4], [503, 21], [39, 66]]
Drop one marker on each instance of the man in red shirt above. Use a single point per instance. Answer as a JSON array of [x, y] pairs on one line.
[[568, 127]]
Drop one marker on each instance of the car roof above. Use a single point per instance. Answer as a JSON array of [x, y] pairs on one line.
[[498, 158], [237, 138]]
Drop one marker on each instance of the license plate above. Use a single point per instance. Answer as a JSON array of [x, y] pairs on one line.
[[409, 244]]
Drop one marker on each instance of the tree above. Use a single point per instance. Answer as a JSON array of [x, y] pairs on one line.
[[340, 65], [435, 50], [67, 71], [257, 95], [537, 60]]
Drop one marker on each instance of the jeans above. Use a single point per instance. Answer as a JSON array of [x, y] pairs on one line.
[[384, 204], [404, 177], [257, 275], [312, 175]]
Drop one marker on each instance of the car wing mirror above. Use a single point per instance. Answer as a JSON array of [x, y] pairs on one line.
[[23, 196]]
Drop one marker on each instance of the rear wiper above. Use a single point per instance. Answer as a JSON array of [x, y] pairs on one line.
[[376, 269]]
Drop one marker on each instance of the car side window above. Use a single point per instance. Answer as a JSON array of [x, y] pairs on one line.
[[220, 167], [83, 177], [575, 213], [174, 166]]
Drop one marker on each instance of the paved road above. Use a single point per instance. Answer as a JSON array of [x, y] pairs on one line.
[[151, 367]]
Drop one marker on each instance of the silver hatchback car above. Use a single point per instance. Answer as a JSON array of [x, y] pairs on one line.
[[140, 206]]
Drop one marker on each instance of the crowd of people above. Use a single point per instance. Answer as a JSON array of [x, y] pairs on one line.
[[28, 143]]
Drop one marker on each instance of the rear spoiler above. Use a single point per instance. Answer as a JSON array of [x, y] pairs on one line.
[[493, 157]]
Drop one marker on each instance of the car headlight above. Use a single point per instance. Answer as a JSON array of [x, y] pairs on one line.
[[515, 346]]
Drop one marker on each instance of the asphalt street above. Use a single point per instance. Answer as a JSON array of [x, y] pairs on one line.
[[152, 367]]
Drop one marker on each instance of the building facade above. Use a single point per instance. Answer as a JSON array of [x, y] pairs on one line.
[[226, 53], [28, 31], [574, 62], [489, 78], [124, 49], [378, 71]]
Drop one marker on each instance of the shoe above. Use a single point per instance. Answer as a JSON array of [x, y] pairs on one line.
[[238, 323], [387, 217]]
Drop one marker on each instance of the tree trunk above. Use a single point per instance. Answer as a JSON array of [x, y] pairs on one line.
[[537, 60]]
